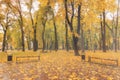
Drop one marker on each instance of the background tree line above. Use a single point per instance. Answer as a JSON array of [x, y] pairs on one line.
[[60, 24]]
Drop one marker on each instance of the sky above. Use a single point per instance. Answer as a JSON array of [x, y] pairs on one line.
[[35, 6]]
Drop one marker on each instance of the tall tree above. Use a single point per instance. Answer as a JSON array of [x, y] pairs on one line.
[[5, 22], [16, 7], [55, 32], [44, 20], [66, 35], [116, 27], [34, 25], [104, 33], [80, 28], [70, 22], [5, 29], [21, 24], [50, 2]]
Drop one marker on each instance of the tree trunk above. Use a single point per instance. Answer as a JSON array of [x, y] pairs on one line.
[[66, 36], [70, 22], [118, 43], [5, 29], [103, 30], [63, 45], [82, 41], [29, 41], [79, 25], [4, 41], [100, 44], [35, 43], [22, 32], [104, 33], [101, 41], [116, 29], [75, 40], [34, 26], [87, 47], [21, 26], [79, 17], [55, 32], [51, 44], [47, 45], [43, 38], [90, 40]]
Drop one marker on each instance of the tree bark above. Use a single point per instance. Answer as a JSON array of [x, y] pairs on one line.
[[34, 25], [79, 27], [116, 29], [4, 41], [23, 42], [43, 38], [22, 33], [75, 45], [103, 31], [79, 17], [5, 29], [55, 32], [82, 41], [21, 26], [28, 43], [70, 22], [63, 47], [51, 44], [35, 43], [66, 36]]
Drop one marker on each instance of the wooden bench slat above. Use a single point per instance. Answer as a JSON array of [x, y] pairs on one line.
[[28, 58], [90, 59]]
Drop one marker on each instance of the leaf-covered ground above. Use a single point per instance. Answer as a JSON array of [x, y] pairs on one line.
[[58, 66]]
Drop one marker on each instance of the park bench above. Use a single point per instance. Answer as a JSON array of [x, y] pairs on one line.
[[27, 58], [103, 60]]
